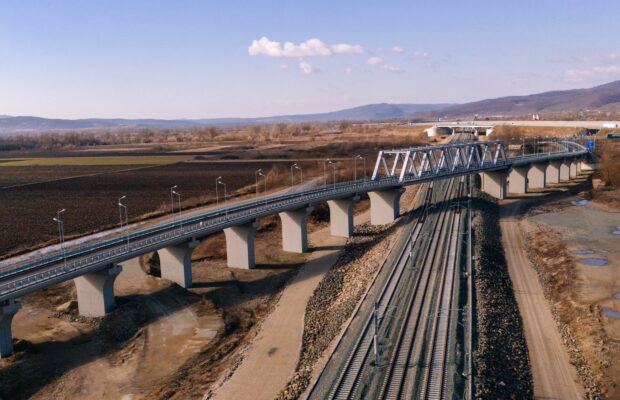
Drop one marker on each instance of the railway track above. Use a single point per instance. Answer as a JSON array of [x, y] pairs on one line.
[[402, 370], [401, 349], [350, 378]]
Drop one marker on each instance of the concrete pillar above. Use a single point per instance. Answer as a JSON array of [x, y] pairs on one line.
[[494, 183], [240, 245], [536, 176], [586, 166], [295, 230], [573, 169], [385, 205], [341, 216], [95, 291], [176, 263], [564, 171], [517, 180], [552, 174], [8, 309]]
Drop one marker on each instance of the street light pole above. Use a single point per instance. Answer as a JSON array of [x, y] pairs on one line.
[[301, 174], [122, 207], [325, 162], [219, 182], [61, 234], [179, 201], [333, 164], [172, 200], [259, 172], [292, 175]]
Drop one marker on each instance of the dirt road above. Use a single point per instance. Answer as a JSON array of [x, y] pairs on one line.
[[554, 376], [270, 360]]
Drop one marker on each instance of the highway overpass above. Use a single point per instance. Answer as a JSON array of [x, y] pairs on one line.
[[95, 266]]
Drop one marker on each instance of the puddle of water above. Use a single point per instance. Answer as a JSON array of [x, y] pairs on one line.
[[597, 262], [601, 251], [617, 296], [579, 202], [616, 231], [610, 313], [582, 252]]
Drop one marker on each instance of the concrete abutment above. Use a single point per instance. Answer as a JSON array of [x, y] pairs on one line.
[[494, 183], [176, 263], [95, 291], [295, 229], [536, 176], [385, 205], [341, 216], [553, 172], [240, 245], [517, 180], [8, 309]]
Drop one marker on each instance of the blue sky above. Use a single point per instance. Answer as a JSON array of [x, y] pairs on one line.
[[196, 59]]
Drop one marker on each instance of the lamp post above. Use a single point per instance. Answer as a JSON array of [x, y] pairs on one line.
[[121, 208], [359, 156], [265, 184], [325, 162], [172, 200], [179, 202], [301, 174], [292, 175], [218, 181], [333, 164], [61, 234], [259, 172]]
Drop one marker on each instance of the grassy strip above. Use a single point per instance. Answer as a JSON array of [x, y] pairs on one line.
[[501, 358]]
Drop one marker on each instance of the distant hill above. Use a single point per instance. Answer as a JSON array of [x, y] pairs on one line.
[[369, 112], [599, 98], [603, 98]]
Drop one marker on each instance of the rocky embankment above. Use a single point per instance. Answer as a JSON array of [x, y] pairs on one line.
[[337, 296], [501, 358], [588, 345]]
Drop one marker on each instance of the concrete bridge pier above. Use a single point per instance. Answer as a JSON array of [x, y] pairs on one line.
[[240, 245], [176, 263], [565, 171], [573, 169], [8, 309], [95, 291], [385, 205], [552, 174], [341, 216], [517, 180], [494, 183], [586, 166], [295, 229], [536, 176]]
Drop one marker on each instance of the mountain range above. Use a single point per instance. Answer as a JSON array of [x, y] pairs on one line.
[[602, 98]]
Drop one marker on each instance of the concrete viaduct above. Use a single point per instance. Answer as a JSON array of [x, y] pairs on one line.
[[94, 267]]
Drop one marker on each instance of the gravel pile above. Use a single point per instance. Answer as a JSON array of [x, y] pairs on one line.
[[336, 297], [501, 358]]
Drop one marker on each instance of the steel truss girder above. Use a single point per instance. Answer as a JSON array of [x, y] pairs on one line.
[[417, 162]]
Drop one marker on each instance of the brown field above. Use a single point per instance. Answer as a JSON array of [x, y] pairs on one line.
[[89, 190]]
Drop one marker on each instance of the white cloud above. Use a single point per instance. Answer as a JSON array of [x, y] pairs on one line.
[[392, 68], [306, 68], [594, 73], [348, 70], [421, 54], [375, 60], [398, 49], [343, 48], [309, 48], [284, 66]]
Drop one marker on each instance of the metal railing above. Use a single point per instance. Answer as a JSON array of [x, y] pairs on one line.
[[84, 258]]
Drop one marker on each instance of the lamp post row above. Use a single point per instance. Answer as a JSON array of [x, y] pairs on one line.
[[174, 194]]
